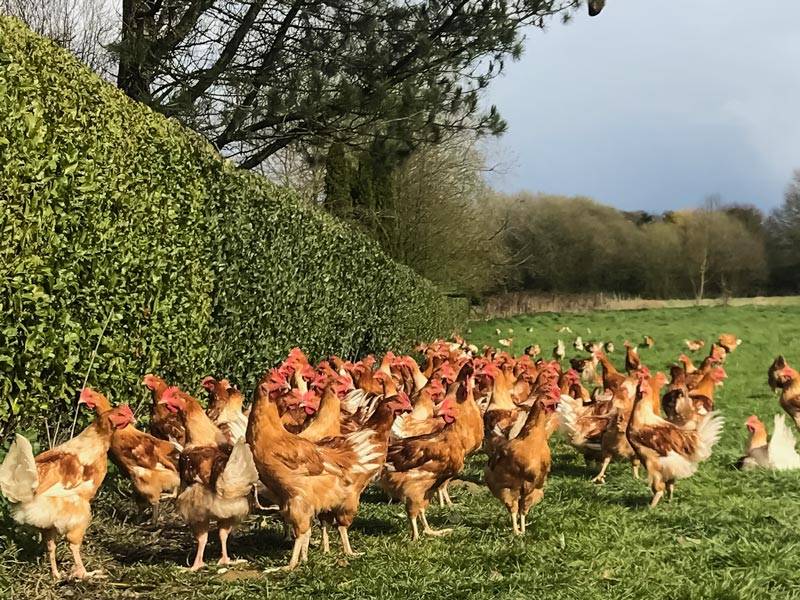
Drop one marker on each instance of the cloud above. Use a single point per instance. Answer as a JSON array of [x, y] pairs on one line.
[[655, 106]]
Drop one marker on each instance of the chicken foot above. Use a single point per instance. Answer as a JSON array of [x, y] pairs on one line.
[[428, 530], [601, 476]]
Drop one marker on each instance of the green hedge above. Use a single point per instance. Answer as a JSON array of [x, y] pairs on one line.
[[109, 208]]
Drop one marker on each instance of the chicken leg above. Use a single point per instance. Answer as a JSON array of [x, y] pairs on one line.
[[601, 476], [49, 536], [75, 539], [202, 538], [444, 495], [348, 549], [515, 522], [656, 497], [428, 530], [225, 528]]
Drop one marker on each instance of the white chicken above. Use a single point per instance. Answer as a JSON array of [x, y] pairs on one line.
[[778, 453]]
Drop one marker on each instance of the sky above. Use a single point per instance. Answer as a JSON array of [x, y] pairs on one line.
[[655, 105]]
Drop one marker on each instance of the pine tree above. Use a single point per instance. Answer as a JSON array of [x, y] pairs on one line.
[[338, 182]]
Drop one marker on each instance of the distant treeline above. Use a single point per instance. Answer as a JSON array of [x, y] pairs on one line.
[[559, 244]]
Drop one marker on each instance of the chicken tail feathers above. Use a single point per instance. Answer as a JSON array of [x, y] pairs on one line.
[[709, 431], [19, 477], [240, 474], [568, 421]]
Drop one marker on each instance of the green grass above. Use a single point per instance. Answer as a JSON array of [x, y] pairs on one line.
[[727, 534]]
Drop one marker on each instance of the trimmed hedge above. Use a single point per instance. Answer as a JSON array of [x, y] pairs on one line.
[[108, 208]]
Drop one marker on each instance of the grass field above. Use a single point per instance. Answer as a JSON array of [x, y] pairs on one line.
[[727, 534]]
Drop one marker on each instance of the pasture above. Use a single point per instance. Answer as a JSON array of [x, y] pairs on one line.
[[727, 534]]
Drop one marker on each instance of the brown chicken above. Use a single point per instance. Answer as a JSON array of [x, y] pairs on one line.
[[149, 462], [471, 419], [729, 342], [614, 441], [326, 410], [517, 468], [53, 491], [307, 478], [378, 426], [225, 408], [669, 452], [772, 373], [216, 478], [164, 424], [417, 467], [612, 378], [788, 381], [632, 361]]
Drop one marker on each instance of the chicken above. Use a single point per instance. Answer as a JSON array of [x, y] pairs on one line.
[[421, 419], [418, 379], [149, 462], [470, 416], [648, 342], [502, 412], [583, 425], [668, 451], [688, 365], [416, 467], [517, 468], [164, 424], [772, 378], [216, 477], [694, 378], [578, 344], [53, 491], [225, 408], [613, 441], [326, 410], [609, 347], [729, 342], [632, 362], [533, 350], [694, 345], [507, 342], [778, 453], [789, 382], [307, 478], [612, 378], [559, 352], [378, 427]]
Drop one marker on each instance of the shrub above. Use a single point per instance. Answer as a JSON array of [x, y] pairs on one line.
[[113, 212]]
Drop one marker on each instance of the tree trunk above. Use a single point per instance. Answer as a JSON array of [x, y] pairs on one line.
[[703, 271], [131, 77]]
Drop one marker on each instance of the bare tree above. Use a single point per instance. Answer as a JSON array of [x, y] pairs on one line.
[[84, 27]]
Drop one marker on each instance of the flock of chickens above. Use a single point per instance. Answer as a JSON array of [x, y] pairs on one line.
[[315, 436]]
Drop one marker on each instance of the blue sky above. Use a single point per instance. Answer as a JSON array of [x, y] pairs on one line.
[[655, 105]]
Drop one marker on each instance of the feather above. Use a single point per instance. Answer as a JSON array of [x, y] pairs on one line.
[[781, 451], [709, 431], [240, 474], [19, 477]]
